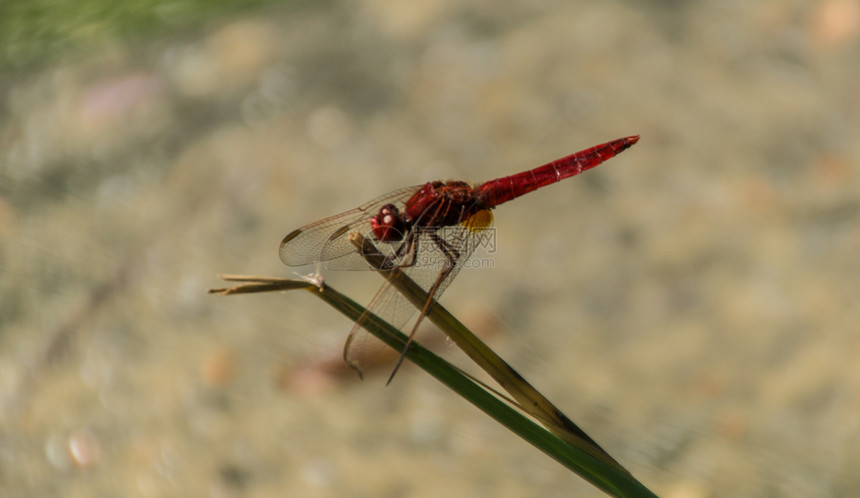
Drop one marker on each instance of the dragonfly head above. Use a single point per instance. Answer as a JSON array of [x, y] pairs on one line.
[[389, 225]]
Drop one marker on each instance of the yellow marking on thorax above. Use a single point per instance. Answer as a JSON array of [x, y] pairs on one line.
[[481, 220]]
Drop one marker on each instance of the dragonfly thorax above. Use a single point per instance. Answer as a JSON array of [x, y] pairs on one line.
[[441, 204]]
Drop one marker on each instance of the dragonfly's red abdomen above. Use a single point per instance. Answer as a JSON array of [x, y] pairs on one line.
[[495, 192]]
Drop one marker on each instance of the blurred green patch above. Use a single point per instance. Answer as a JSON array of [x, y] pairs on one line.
[[36, 32]]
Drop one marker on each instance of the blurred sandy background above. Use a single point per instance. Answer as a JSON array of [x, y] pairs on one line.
[[692, 303]]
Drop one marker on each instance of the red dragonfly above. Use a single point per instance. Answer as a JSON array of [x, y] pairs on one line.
[[428, 231]]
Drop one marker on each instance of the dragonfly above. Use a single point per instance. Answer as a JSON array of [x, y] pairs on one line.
[[427, 231]]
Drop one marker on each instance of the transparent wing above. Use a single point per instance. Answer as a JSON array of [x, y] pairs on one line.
[[427, 268], [328, 239]]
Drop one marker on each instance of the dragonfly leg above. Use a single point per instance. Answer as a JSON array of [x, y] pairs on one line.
[[452, 255], [348, 343], [409, 245]]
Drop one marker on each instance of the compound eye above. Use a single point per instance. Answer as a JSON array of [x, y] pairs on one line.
[[388, 225]]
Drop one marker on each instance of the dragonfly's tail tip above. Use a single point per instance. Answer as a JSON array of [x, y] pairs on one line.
[[622, 144]]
